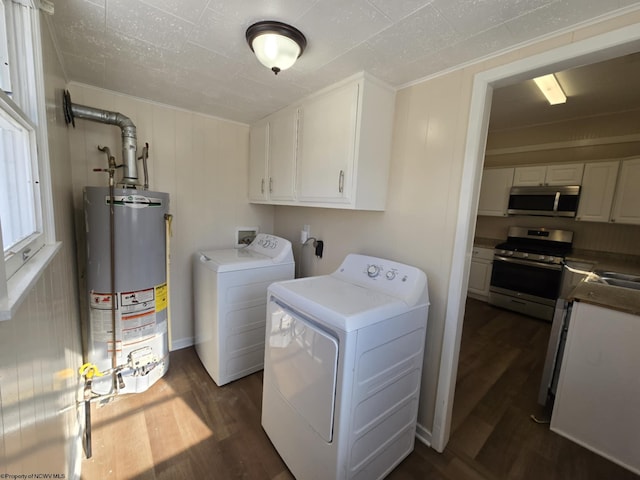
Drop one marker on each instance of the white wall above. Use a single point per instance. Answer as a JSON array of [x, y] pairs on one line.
[[200, 161], [419, 225], [40, 348]]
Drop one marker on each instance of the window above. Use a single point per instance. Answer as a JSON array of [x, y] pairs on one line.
[[20, 217], [26, 212]]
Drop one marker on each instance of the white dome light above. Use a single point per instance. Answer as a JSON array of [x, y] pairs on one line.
[[277, 45]]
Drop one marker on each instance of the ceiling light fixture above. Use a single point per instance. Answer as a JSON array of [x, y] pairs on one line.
[[548, 84], [276, 44]]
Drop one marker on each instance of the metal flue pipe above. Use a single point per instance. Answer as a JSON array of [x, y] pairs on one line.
[[129, 139]]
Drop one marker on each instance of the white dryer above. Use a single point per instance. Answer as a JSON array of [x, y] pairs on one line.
[[230, 296], [343, 363]]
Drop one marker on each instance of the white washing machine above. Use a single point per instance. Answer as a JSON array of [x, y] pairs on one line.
[[230, 296], [343, 363]]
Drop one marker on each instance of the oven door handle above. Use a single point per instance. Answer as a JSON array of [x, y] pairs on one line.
[[531, 263]]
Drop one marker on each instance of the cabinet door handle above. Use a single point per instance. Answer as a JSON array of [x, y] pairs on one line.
[[341, 182], [262, 186], [270, 184]]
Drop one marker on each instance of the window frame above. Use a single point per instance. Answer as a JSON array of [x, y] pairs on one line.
[[29, 246], [15, 286]]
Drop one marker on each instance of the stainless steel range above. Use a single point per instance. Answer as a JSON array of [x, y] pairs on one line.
[[527, 270]]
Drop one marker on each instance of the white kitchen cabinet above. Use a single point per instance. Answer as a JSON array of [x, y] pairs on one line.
[[327, 146], [564, 174], [598, 188], [480, 273], [283, 128], [344, 146], [272, 155], [258, 156], [330, 150], [626, 203], [556, 175], [494, 191], [598, 392]]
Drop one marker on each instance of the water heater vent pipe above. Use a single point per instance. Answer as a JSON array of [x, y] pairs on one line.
[[128, 128]]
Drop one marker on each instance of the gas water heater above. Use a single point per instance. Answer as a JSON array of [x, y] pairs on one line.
[[135, 253]]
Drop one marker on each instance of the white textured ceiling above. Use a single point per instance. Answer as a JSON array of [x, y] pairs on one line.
[[600, 88], [193, 54]]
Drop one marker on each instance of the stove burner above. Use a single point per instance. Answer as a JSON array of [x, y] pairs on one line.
[[541, 245]]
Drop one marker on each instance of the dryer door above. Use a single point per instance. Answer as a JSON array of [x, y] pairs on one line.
[[302, 360]]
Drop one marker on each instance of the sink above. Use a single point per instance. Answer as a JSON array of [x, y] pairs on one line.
[[618, 276], [618, 279], [621, 283]]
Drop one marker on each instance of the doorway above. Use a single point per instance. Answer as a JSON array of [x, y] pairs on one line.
[[591, 50]]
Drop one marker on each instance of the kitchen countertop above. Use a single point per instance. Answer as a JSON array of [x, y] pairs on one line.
[[485, 242], [615, 262], [608, 296]]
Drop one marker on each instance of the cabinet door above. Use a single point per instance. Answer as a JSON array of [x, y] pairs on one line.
[[494, 191], [626, 205], [596, 194], [479, 277], [529, 176], [564, 174], [326, 146], [283, 128], [598, 391], [258, 150]]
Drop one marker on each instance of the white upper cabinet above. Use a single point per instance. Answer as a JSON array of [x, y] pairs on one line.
[[272, 154], [258, 155], [327, 146], [561, 174], [569, 174], [283, 127], [626, 204], [342, 144], [529, 176], [596, 194], [494, 191]]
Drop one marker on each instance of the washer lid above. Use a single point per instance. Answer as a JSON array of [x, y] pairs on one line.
[[265, 251], [337, 303], [234, 259]]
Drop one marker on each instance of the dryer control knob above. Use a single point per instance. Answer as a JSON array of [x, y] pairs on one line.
[[373, 271], [391, 274]]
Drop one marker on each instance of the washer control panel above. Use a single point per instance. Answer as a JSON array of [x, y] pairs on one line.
[[271, 246]]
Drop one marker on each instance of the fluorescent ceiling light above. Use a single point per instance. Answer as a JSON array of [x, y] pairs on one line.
[[551, 89]]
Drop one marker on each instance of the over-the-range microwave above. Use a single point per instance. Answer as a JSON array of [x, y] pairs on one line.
[[544, 201]]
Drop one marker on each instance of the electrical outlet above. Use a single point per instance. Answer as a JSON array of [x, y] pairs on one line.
[[304, 234]]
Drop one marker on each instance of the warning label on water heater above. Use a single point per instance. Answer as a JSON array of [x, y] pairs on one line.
[[135, 316], [138, 321], [161, 297]]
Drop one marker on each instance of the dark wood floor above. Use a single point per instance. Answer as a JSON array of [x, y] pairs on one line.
[[187, 427]]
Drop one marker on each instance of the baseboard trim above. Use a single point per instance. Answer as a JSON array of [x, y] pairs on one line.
[[77, 446], [423, 435], [182, 343]]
